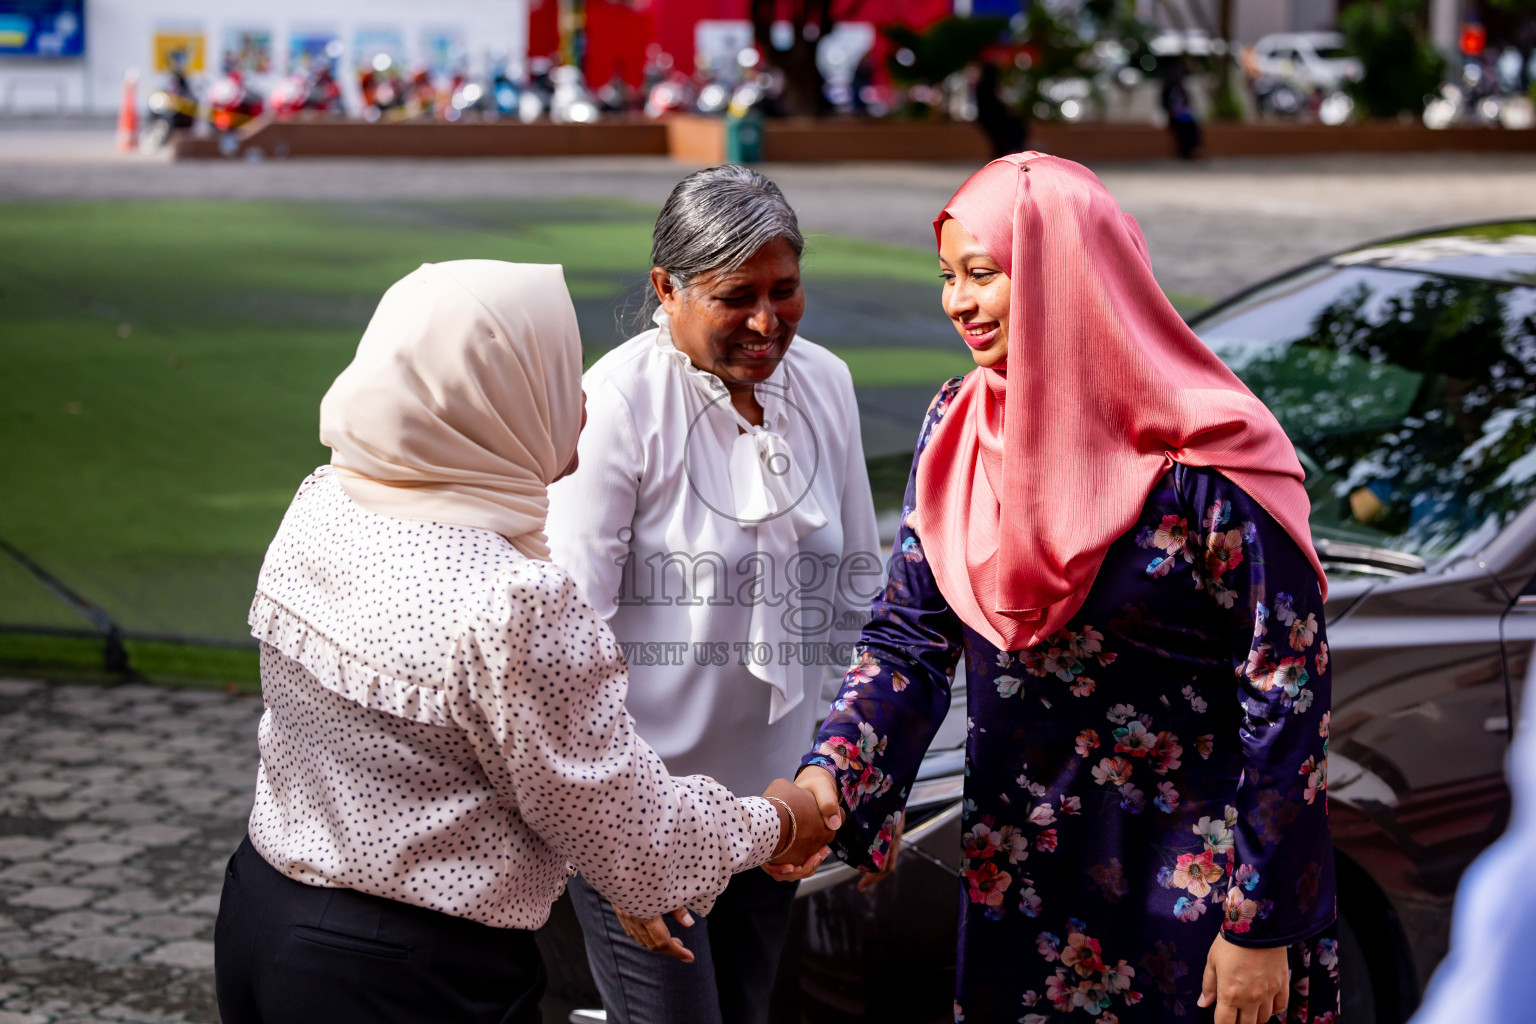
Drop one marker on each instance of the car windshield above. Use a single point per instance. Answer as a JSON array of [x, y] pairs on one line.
[[1411, 399]]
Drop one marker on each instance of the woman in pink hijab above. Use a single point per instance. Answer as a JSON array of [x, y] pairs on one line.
[[1112, 530]]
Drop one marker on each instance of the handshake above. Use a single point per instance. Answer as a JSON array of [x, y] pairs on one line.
[[809, 816]]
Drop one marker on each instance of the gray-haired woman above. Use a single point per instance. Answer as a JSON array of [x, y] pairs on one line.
[[721, 522]]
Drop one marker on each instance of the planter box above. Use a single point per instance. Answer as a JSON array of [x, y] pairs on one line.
[[336, 138], [701, 140], [1096, 142]]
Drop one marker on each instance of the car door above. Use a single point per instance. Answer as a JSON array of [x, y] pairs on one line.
[[1417, 740]]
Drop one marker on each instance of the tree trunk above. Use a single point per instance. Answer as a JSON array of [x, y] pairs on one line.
[[1224, 31], [810, 19]]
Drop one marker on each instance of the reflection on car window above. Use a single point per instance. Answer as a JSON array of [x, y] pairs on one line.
[[1411, 399]]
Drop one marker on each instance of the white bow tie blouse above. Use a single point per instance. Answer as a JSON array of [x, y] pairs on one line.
[[731, 625], [445, 726]]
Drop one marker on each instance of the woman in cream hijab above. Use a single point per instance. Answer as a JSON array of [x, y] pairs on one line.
[[445, 738]]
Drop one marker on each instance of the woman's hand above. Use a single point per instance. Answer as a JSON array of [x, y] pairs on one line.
[[800, 858], [1248, 986], [652, 933], [816, 786]]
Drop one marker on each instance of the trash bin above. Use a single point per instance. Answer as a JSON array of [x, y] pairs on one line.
[[744, 139]]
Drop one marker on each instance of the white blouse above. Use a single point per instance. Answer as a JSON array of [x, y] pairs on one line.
[[445, 726], [730, 632]]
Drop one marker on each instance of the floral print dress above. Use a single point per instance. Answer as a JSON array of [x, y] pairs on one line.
[[1153, 774]]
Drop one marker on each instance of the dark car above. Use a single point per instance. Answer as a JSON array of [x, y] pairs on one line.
[[1405, 373]]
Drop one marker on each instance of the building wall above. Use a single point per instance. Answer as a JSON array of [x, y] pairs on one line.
[[120, 34], [1251, 19], [619, 31]]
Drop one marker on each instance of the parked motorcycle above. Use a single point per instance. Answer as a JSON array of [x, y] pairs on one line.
[[382, 90], [421, 93], [617, 96], [505, 93], [231, 102], [1482, 94], [571, 102], [538, 93], [172, 106], [314, 89], [671, 95]]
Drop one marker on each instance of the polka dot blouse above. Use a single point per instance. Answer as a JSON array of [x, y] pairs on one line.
[[445, 726]]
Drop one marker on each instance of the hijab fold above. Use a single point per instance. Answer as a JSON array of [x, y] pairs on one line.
[[1039, 466], [463, 402]]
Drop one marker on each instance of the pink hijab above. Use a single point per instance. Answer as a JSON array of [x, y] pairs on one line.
[[1037, 468]]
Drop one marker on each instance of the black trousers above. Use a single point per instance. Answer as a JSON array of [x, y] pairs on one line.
[[290, 953]]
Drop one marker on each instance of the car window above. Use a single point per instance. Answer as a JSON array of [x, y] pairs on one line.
[[1411, 399], [1331, 52]]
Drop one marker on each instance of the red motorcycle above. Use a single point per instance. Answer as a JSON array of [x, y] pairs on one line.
[[313, 90], [232, 103], [420, 93], [382, 90]]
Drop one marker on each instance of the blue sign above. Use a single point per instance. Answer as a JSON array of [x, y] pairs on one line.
[[42, 28], [1005, 8]]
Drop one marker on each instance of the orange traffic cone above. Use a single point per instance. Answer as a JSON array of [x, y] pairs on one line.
[[128, 115]]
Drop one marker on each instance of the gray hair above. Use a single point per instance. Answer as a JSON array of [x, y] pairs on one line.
[[717, 219]]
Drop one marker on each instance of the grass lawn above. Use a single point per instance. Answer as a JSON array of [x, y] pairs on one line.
[[164, 363]]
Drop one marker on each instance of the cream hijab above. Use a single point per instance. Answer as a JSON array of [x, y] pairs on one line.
[[463, 402]]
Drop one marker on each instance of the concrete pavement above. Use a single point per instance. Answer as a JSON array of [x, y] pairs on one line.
[[1212, 226]]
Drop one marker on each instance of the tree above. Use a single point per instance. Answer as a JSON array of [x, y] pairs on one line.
[[944, 48], [1402, 67], [810, 21]]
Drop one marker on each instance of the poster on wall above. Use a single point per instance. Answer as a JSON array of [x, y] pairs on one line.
[[308, 47], [442, 47], [371, 42], [718, 44], [42, 28], [181, 49], [248, 50]]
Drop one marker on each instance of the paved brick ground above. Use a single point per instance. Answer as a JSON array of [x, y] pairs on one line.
[[118, 808]]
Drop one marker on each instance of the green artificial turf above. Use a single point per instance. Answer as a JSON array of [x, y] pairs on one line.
[[162, 364], [80, 659]]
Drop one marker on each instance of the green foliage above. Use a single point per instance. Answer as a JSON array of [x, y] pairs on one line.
[[1055, 47], [1228, 105], [1403, 70], [1059, 44], [945, 47], [1051, 44]]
